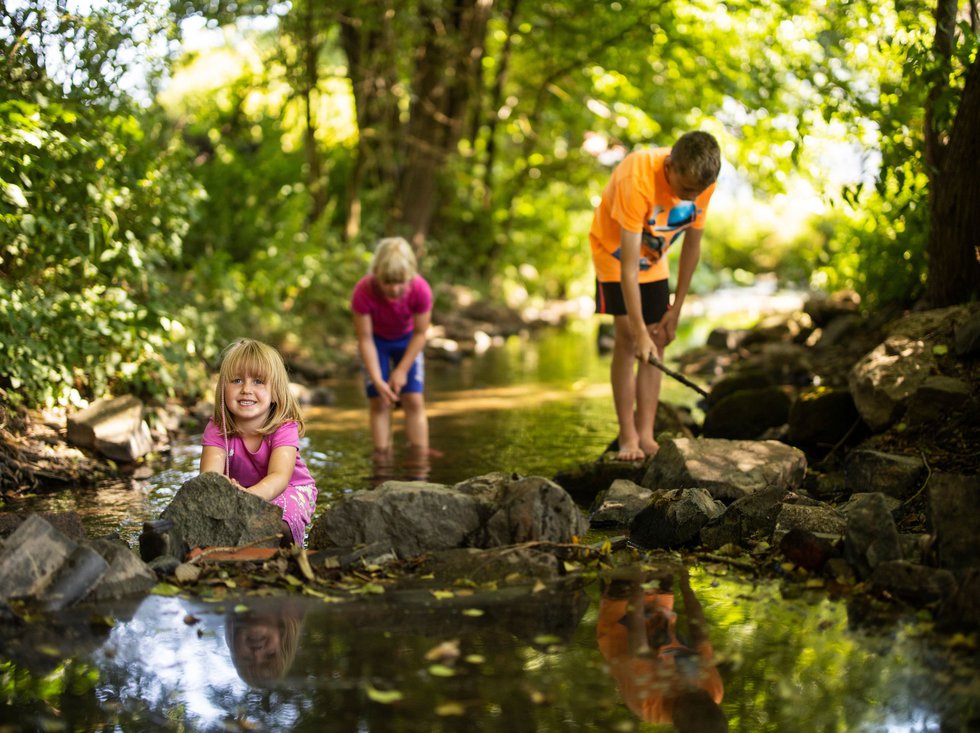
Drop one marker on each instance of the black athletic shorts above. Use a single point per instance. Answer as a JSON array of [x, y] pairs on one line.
[[654, 296]]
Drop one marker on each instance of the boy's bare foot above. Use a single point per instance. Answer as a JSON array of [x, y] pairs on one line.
[[649, 448], [629, 452]]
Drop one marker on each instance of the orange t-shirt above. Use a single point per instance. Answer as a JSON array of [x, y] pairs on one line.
[[639, 199]]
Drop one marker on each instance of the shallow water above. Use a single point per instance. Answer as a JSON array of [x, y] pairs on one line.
[[512, 661]]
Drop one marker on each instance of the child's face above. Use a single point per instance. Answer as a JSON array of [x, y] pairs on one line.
[[685, 187], [248, 397], [393, 289]]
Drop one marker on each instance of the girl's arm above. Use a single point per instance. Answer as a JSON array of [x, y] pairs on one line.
[[399, 374], [282, 462], [212, 459], [369, 355]]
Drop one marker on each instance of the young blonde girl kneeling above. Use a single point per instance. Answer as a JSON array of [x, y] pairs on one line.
[[392, 307], [253, 435]]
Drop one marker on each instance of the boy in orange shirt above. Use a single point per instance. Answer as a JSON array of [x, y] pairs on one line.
[[653, 197]]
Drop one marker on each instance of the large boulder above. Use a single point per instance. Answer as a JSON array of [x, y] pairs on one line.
[[415, 517], [674, 518], [729, 469], [884, 380], [209, 511], [747, 413]]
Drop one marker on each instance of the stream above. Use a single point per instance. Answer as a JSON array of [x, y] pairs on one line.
[[511, 660]]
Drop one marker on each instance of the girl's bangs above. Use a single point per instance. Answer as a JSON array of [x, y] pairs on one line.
[[247, 362]]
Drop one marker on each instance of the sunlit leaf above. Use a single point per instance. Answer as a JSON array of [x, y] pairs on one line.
[[473, 612], [450, 709], [441, 670], [165, 589], [443, 594], [384, 697]]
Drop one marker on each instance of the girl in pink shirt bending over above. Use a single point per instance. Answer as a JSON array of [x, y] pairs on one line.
[[253, 435], [392, 308]]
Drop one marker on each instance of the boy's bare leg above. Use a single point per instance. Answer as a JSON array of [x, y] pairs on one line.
[[648, 381], [416, 421], [623, 381], [380, 418]]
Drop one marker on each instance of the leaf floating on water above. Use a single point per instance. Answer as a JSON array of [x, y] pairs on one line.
[[293, 580], [473, 612], [165, 589], [538, 587], [49, 650], [571, 567], [546, 639], [474, 659], [443, 594], [384, 697], [370, 588], [242, 608], [445, 651], [940, 349], [450, 708], [441, 670]]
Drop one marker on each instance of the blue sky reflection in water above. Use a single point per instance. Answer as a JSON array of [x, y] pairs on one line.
[[526, 661]]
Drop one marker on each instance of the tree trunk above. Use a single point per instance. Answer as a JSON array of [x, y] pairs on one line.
[[314, 173], [442, 90], [954, 232]]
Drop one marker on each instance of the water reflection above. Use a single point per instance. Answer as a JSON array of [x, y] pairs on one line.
[[665, 674], [263, 643], [415, 464]]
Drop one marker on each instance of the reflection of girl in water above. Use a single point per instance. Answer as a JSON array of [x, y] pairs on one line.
[[263, 643], [663, 675]]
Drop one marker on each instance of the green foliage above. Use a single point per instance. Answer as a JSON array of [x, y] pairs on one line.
[[94, 203]]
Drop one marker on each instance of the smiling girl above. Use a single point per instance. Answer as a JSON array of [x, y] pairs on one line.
[[253, 435]]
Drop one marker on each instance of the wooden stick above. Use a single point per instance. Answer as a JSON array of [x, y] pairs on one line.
[[676, 375]]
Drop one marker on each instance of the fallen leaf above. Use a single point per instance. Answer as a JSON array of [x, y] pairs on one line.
[[473, 612], [441, 670], [447, 650], [443, 594], [450, 708], [187, 573]]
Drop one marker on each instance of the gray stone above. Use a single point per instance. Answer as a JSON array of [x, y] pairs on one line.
[[821, 416], [617, 506], [31, 557], [413, 516], [747, 413], [208, 511], [869, 471], [739, 381], [729, 469], [871, 537], [936, 399], [953, 502], [750, 518], [532, 509], [674, 518], [125, 575], [114, 427], [967, 334], [822, 520], [884, 379]]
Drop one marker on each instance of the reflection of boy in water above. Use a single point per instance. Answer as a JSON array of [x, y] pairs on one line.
[[263, 643], [663, 676]]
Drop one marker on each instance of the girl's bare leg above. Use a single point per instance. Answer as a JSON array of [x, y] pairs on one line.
[[416, 421], [380, 418]]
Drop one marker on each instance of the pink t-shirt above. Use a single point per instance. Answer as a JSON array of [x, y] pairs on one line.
[[391, 319], [248, 468]]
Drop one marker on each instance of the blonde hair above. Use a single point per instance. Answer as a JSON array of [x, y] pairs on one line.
[[697, 154], [248, 357], [264, 673], [394, 261]]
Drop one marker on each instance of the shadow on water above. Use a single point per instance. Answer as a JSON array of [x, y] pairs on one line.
[[611, 653]]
